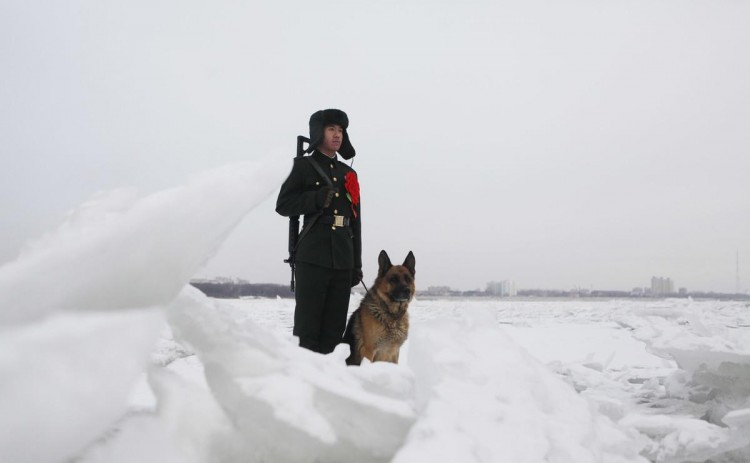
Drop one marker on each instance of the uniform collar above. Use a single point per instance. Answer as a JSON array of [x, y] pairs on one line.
[[323, 158]]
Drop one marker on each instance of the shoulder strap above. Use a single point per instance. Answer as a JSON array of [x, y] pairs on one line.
[[319, 171], [317, 216]]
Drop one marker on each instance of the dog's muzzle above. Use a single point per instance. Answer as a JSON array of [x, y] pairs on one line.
[[401, 294]]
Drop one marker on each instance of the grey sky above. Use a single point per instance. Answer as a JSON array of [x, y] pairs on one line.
[[557, 144]]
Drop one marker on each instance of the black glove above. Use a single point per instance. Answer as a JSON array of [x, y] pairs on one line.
[[356, 276], [324, 196]]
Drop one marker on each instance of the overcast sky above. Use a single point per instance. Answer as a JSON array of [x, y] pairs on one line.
[[559, 144]]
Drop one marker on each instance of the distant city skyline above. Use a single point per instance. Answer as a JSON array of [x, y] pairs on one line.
[[224, 287], [658, 286]]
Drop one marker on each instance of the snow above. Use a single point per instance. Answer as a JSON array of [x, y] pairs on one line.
[[106, 355], [119, 251], [66, 378]]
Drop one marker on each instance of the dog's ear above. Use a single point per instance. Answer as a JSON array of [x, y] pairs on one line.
[[410, 263], [384, 263]]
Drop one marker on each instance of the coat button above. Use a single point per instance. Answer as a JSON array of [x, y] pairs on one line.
[[335, 211], [334, 179], [337, 195], [331, 166], [333, 228], [317, 183]]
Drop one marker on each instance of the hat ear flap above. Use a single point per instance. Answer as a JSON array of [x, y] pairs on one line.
[[316, 131], [346, 150]]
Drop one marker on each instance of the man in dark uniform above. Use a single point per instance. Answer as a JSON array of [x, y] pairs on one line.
[[329, 255]]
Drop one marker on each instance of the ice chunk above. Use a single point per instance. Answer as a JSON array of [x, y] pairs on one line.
[[141, 439], [269, 387], [117, 251], [483, 398], [68, 378], [738, 418], [683, 438]]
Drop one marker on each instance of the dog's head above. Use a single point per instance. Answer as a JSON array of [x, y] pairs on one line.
[[396, 282]]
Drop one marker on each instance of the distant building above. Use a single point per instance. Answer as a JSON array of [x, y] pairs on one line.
[[438, 291], [637, 292], [505, 288], [661, 286], [682, 292], [579, 292]]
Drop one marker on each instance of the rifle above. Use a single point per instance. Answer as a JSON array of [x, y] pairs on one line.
[[294, 219]]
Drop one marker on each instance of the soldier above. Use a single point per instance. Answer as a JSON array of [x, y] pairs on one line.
[[328, 259]]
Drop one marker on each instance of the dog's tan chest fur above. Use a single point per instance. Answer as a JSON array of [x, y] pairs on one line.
[[382, 336]]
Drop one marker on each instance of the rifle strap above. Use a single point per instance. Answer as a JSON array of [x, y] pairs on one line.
[[320, 171], [315, 218]]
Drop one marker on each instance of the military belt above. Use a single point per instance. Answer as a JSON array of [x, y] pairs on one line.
[[335, 220]]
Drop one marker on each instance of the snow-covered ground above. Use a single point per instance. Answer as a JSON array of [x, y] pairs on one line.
[[107, 356]]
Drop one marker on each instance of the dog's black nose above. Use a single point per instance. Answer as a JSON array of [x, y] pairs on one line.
[[401, 294]]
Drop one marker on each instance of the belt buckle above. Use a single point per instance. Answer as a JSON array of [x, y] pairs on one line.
[[338, 220]]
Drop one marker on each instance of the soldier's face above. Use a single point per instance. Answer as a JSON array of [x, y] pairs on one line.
[[333, 135]]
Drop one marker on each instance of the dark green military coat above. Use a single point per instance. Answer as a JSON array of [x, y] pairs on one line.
[[325, 244]]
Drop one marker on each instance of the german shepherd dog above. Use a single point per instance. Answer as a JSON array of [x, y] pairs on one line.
[[378, 328]]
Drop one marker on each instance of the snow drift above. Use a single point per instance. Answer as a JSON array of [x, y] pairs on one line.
[[80, 306], [83, 308]]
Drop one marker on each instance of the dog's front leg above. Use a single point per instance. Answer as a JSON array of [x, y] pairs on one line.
[[368, 352], [386, 354]]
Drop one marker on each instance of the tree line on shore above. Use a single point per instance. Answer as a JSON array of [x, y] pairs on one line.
[[227, 290], [236, 290]]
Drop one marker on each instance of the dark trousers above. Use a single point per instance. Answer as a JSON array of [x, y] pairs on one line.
[[322, 297]]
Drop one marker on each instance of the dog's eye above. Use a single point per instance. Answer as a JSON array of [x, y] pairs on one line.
[[407, 279], [394, 279]]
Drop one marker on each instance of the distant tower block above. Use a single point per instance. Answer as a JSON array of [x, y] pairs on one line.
[[503, 288], [661, 286]]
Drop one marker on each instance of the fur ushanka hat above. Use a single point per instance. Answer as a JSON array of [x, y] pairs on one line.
[[325, 117]]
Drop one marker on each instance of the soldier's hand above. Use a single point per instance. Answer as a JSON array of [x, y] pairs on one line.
[[324, 196], [356, 276]]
